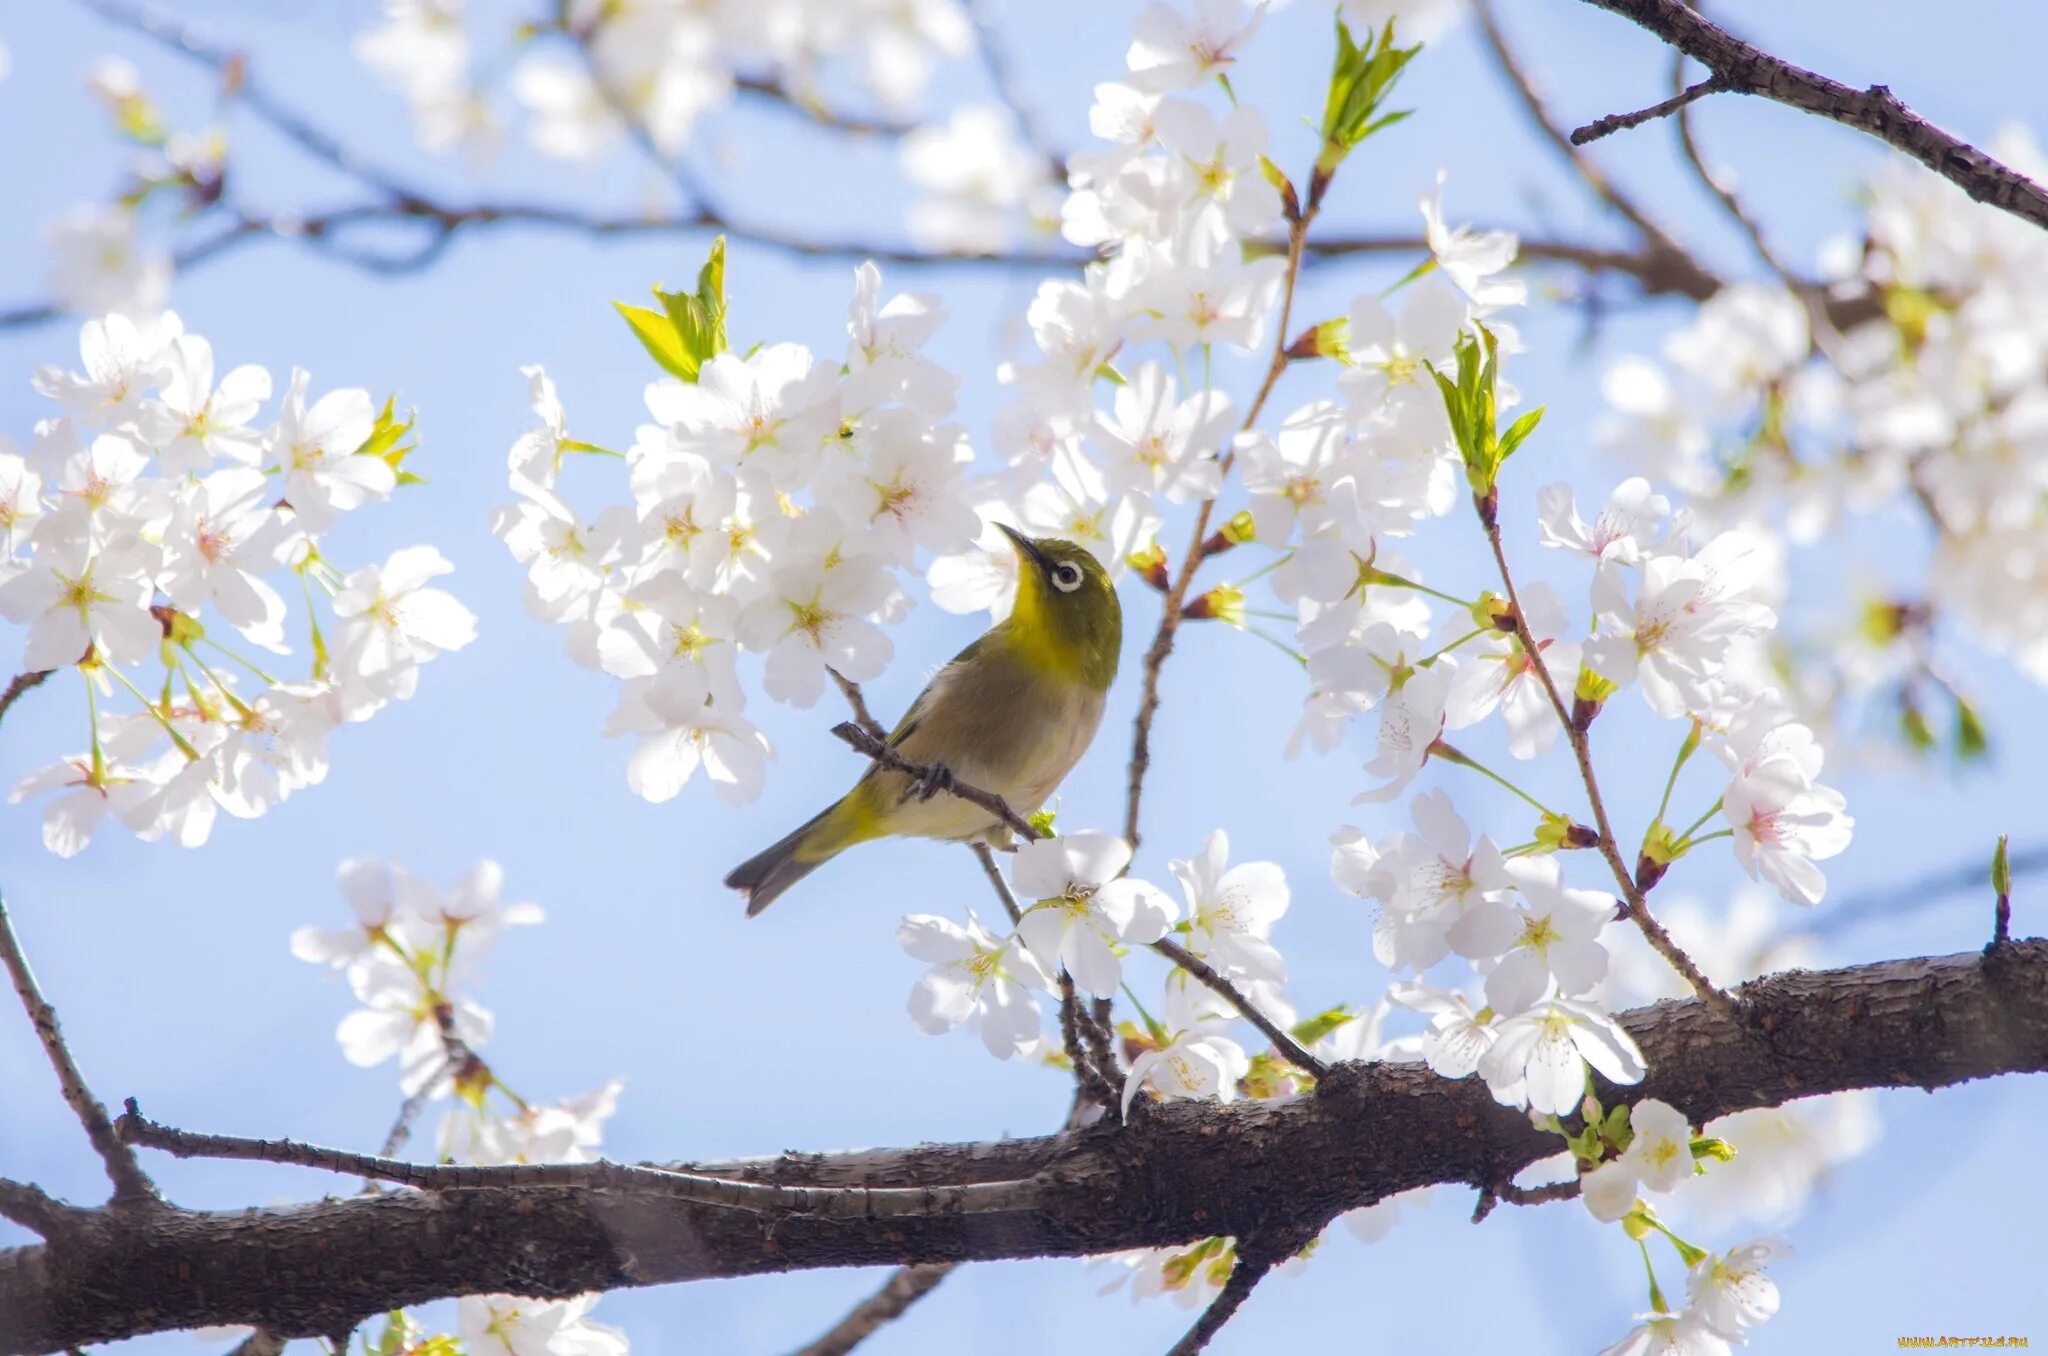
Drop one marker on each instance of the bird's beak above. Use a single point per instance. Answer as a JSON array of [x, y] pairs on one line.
[[1026, 548]]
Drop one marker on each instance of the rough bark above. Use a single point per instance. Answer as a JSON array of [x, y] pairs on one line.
[[1745, 69], [1180, 1172]]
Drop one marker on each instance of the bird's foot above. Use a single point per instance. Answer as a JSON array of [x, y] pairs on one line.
[[938, 777]]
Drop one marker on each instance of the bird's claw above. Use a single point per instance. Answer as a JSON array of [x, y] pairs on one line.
[[938, 777]]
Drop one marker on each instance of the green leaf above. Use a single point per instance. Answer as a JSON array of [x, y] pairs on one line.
[[658, 336], [1309, 1030], [2001, 869], [1520, 430]]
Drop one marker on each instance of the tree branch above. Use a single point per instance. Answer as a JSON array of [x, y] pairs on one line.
[[1292, 1049], [1746, 69], [695, 1188], [131, 1185], [1658, 240], [1619, 122], [1189, 1170], [1634, 904], [931, 779], [906, 1287], [20, 684]]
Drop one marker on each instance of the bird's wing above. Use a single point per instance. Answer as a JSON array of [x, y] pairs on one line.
[[926, 699]]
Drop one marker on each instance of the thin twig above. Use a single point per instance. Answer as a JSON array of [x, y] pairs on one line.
[[1747, 69], [1285, 1043], [1653, 234], [931, 779], [838, 119], [1633, 902], [1689, 146], [984, 854], [1617, 122], [1172, 607], [1244, 1278], [905, 1287], [1002, 77], [1492, 1195], [695, 1188], [21, 683], [131, 1184], [859, 704]]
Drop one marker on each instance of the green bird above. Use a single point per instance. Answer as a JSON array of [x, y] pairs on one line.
[[1011, 714]]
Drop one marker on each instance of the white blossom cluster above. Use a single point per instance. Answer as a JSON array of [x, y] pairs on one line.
[[657, 65], [1934, 401], [773, 505], [155, 536], [410, 955]]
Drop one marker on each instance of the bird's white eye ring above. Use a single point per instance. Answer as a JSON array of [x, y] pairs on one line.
[[1066, 576]]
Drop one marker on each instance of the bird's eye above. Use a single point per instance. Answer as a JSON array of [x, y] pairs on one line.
[[1066, 576]]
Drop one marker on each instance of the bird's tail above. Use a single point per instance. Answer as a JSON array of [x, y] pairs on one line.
[[764, 876]]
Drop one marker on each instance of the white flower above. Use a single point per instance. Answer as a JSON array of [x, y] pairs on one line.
[[1539, 1057], [1457, 1042], [1687, 614], [505, 1325], [1621, 535], [393, 623], [681, 730], [1731, 1294], [1193, 1064], [1660, 1154], [774, 409], [1471, 260], [1742, 338], [537, 457], [372, 894], [1554, 934], [976, 978], [97, 263], [124, 360], [1411, 718], [1223, 160], [21, 501], [1783, 825], [1084, 907], [1231, 912], [569, 1131], [1289, 475], [195, 422], [72, 600], [1172, 51], [983, 173], [564, 563], [1158, 444], [399, 1017], [908, 490], [316, 448], [813, 616], [1496, 672], [882, 356], [219, 540], [1669, 1335]]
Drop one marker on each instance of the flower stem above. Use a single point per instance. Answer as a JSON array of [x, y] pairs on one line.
[[184, 745], [1712, 810], [239, 660], [1685, 751], [1429, 659], [1451, 754]]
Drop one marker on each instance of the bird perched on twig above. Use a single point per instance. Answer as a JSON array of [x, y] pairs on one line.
[[1011, 714]]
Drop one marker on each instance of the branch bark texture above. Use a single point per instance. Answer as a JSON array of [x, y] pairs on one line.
[[1745, 69], [1179, 1172]]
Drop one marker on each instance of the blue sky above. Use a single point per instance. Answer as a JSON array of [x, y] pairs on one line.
[[743, 1037]]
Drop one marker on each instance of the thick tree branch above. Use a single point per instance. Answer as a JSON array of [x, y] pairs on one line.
[[131, 1185], [1745, 69], [1189, 1170]]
